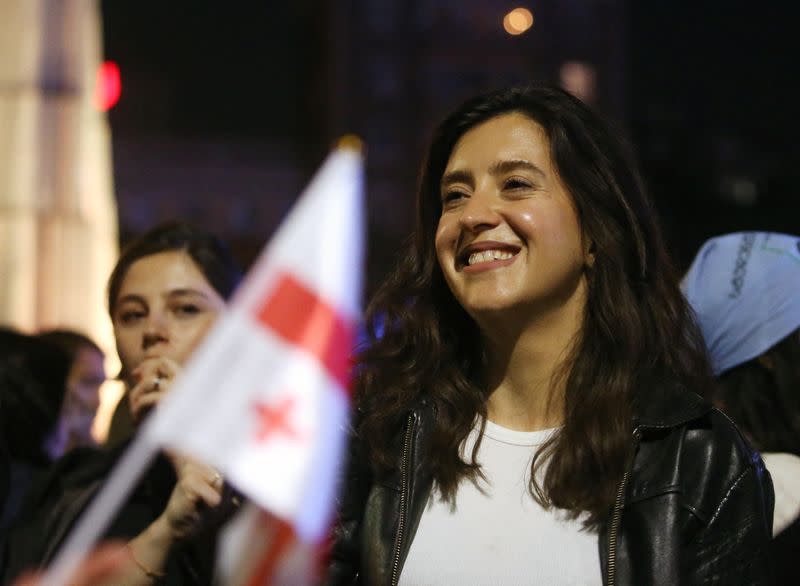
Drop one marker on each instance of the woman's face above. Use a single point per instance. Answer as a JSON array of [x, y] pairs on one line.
[[508, 236], [164, 308], [86, 375]]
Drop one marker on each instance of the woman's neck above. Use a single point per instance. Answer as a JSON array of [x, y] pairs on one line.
[[525, 373]]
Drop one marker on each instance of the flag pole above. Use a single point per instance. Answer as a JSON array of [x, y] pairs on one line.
[[97, 517], [150, 437]]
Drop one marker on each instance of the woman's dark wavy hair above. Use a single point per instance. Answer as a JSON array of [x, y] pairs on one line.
[[421, 345], [761, 396]]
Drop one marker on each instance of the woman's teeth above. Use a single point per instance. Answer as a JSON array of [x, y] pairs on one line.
[[488, 256]]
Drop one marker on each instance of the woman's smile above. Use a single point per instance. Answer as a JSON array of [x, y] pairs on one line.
[[486, 255]]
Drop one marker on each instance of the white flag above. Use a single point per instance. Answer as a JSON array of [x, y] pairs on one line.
[[265, 398]]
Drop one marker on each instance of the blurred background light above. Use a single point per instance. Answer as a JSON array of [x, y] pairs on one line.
[[579, 79], [108, 86], [518, 21]]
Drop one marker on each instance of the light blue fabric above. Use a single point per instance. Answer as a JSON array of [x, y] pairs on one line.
[[745, 290]]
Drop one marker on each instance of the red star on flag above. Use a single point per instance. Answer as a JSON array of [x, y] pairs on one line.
[[275, 419]]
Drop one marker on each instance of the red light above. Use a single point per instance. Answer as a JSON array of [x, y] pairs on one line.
[[108, 86]]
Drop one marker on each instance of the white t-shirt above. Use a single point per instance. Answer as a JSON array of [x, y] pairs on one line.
[[498, 534], [785, 472]]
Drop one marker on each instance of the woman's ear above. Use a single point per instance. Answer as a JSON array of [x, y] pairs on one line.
[[589, 252]]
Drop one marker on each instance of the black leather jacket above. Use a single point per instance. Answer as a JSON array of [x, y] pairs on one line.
[[694, 508]]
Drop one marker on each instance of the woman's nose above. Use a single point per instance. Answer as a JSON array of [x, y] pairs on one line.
[[156, 330], [479, 212]]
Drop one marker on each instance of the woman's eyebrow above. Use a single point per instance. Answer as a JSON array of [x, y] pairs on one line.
[[187, 292], [457, 176], [501, 167], [131, 298]]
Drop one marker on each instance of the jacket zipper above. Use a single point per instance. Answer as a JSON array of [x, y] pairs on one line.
[[616, 518], [403, 499]]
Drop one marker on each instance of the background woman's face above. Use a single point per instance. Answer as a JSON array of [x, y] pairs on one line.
[[164, 308], [83, 391]]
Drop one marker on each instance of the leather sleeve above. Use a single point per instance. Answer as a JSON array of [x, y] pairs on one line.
[[345, 549], [733, 547]]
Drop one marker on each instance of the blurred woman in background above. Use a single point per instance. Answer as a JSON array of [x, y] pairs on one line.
[[82, 395], [164, 295], [32, 381]]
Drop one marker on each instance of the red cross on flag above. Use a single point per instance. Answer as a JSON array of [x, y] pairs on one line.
[[265, 398]]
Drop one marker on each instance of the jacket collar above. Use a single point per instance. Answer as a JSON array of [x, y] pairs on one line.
[[660, 406], [656, 406]]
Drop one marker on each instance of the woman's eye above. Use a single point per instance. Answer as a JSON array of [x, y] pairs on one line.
[[130, 317], [517, 183], [451, 196], [187, 310]]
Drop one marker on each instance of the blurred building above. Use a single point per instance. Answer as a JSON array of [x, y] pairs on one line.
[[58, 219]]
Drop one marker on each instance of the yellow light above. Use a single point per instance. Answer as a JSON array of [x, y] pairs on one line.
[[518, 21], [111, 392]]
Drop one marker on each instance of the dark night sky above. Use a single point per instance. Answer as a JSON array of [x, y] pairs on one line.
[[712, 93], [715, 89], [206, 68]]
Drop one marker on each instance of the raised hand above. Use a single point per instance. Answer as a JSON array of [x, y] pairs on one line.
[[152, 381]]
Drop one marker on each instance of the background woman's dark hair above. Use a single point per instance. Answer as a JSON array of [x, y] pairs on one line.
[[632, 329], [209, 253], [33, 374], [762, 396], [69, 341]]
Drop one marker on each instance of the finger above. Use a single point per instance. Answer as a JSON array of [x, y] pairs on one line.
[[167, 367], [144, 384], [150, 385], [160, 366], [209, 495], [156, 366], [149, 399], [198, 490], [142, 402], [195, 472], [217, 481]]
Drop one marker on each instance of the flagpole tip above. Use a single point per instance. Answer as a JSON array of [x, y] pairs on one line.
[[351, 142]]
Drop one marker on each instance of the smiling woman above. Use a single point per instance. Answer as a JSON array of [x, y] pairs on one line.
[[505, 207], [164, 295], [531, 399]]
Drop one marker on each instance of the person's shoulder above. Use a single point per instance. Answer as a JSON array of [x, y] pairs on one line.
[[75, 470], [85, 463], [702, 457], [661, 404], [718, 461], [714, 438], [718, 431]]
